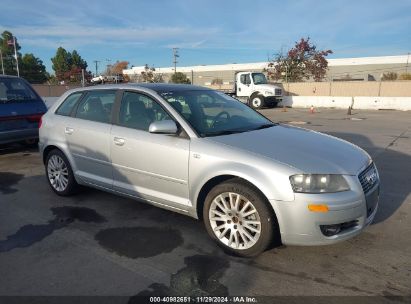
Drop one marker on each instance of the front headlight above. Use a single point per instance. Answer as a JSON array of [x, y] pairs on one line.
[[318, 183], [268, 93]]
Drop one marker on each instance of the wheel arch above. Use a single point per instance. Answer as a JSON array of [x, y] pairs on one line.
[[218, 179], [212, 182]]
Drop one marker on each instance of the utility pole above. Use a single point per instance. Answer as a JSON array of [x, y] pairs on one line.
[[2, 66], [82, 78], [406, 67], [96, 62], [175, 55], [17, 58], [108, 66]]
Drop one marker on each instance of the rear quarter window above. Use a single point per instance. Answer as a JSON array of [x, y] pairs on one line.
[[68, 104]]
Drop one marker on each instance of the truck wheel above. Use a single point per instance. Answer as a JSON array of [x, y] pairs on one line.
[[238, 218], [257, 101]]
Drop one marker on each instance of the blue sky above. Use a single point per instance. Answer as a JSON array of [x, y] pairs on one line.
[[207, 32]]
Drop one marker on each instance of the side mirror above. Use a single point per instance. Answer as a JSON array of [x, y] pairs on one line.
[[163, 127]]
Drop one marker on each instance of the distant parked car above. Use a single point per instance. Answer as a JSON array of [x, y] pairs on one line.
[[21, 109], [98, 79], [249, 179]]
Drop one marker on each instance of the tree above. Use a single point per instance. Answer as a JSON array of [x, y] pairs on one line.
[[7, 50], [180, 77], [302, 62], [118, 67], [405, 76], [77, 61], [389, 76], [68, 66], [61, 63], [148, 74], [33, 69]]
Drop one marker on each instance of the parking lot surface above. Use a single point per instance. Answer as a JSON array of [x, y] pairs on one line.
[[96, 243]]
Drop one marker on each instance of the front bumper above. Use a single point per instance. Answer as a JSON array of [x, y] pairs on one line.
[[272, 100], [300, 226]]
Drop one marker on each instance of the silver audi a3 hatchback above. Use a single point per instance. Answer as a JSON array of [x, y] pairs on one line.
[[199, 152]]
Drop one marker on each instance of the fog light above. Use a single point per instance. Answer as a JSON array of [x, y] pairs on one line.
[[330, 230]]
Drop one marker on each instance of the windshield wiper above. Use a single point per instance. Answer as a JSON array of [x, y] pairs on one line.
[[265, 126], [224, 132]]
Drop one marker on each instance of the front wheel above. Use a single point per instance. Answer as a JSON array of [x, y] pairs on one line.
[[257, 102], [237, 217]]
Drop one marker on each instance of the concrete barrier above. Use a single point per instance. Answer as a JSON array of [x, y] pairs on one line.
[[338, 102], [383, 103], [317, 101]]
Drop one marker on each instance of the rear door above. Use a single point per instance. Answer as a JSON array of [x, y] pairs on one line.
[[87, 133], [146, 165]]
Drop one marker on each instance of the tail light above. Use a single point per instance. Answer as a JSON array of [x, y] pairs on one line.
[[34, 118], [40, 121]]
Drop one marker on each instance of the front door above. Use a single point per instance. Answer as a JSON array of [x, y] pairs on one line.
[[146, 165], [244, 85]]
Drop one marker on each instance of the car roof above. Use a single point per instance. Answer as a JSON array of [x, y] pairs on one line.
[[155, 87], [10, 76]]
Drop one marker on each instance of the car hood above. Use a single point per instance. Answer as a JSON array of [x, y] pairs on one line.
[[305, 150], [268, 87]]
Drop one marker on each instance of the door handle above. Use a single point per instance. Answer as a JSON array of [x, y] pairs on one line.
[[69, 130], [119, 141]]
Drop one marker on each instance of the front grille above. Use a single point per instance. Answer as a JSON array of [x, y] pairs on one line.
[[278, 92], [368, 178]]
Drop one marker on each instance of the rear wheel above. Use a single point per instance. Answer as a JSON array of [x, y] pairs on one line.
[[237, 217], [59, 174]]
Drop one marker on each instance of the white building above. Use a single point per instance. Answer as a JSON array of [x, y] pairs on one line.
[[361, 68]]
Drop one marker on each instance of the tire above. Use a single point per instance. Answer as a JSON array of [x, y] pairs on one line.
[[59, 174], [226, 221], [257, 102]]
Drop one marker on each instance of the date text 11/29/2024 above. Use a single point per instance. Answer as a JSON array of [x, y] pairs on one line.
[[203, 299]]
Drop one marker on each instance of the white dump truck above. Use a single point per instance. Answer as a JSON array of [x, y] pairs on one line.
[[252, 88]]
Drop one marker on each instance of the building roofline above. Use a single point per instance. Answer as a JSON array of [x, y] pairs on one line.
[[400, 59]]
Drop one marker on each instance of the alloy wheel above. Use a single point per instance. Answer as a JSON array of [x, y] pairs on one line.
[[235, 220], [57, 173]]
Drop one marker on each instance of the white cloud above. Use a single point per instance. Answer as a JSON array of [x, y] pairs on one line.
[[56, 35]]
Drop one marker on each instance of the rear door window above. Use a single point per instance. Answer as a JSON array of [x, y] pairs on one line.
[[97, 106], [68, 105]]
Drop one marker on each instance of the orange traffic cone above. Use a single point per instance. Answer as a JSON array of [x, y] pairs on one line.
[[312, 109]]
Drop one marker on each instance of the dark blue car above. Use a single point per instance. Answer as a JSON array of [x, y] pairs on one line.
[[21, 109]]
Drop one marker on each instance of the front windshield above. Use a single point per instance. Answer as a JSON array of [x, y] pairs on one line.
[[15, 90], [213, 113], [259, 78]]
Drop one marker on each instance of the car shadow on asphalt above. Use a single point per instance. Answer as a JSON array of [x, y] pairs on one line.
[[392, 167], [18, 148]]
